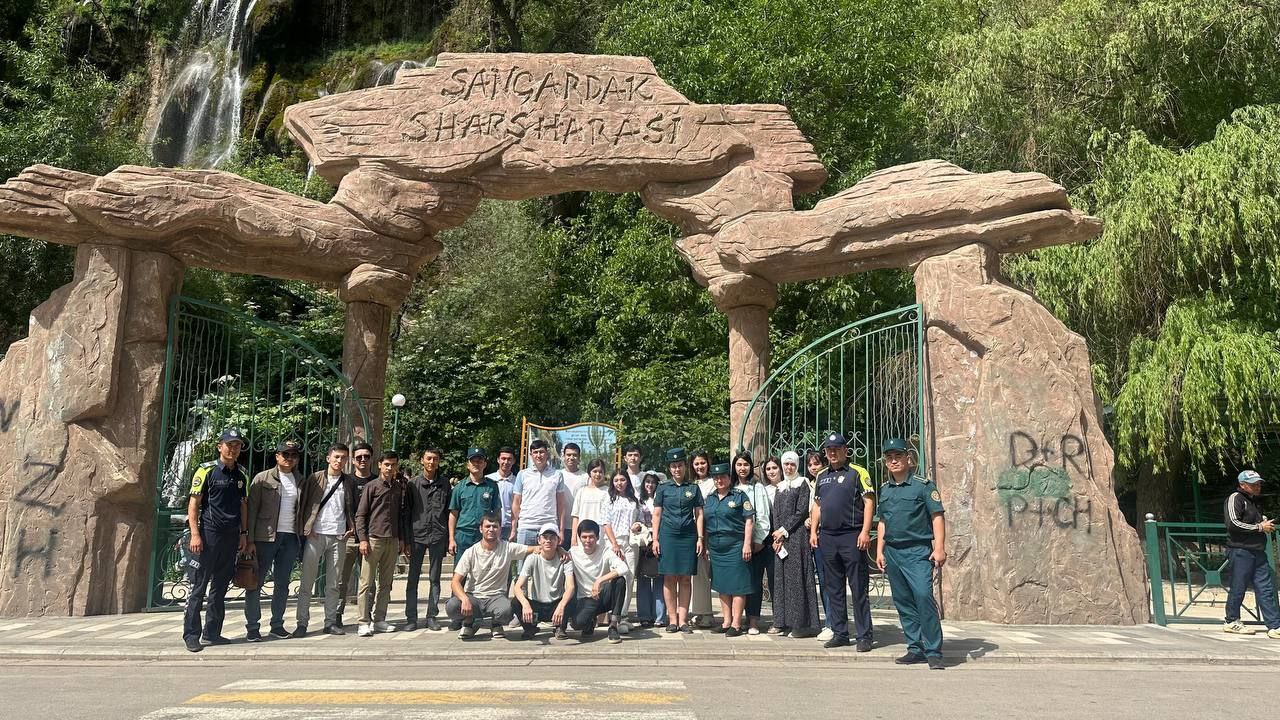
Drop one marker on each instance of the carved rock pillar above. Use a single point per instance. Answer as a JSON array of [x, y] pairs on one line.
[[372, 294], [80, 415], [746, 300]]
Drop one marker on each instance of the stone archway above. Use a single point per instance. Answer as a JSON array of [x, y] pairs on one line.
[[409, 160]]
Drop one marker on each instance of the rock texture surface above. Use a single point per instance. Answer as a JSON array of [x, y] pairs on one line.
[[524, 125], [1035, 535], [79, 424]]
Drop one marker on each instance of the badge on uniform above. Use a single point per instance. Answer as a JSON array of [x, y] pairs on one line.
[[746, 505], [733, 504], [840, 480], [240, 485], [688, 493], [936, 497], [484, 495]]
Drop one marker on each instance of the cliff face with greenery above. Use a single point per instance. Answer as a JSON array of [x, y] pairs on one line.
[[1158, 115]]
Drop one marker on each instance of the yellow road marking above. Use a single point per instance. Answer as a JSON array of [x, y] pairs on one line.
[[391, 697]]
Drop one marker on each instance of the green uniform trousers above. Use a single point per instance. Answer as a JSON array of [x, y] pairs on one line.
[[911, 582]]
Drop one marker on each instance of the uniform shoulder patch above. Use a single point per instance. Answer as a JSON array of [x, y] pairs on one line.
[[209, 464], [925, 480], [746, 504], [936, 497]]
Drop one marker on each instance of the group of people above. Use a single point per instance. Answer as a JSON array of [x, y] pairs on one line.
[[571, 546]]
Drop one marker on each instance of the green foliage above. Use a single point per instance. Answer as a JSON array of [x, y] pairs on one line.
[[1028, 85], [1178, 296]]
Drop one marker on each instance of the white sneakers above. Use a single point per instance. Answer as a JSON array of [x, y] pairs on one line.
[[384, 627], [753, 631], [826, 634], [467, 632], [366, 630], [1237, 628], [1274, 634]]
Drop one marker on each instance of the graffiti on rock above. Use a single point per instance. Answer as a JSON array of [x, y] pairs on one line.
[[1037, 483]]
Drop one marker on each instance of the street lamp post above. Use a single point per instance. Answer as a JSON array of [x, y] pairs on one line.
[[398, 402]]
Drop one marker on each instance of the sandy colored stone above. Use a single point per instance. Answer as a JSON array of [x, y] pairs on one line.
[[704, 206], [527, 125], [1035, 533], [78, 428], [898, 216], [209, 218]]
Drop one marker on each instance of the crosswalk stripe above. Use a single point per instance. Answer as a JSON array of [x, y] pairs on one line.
[[145, 633], [53, 633], [391, 697], [455, 685], [401, 713]]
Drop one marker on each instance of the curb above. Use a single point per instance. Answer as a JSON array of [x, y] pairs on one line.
[[638, 657]]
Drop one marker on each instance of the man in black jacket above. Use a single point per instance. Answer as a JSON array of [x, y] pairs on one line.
[[426, 507], [1247, 531]]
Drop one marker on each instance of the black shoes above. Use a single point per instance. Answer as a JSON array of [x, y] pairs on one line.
[[432, 624], [300, 631], [864, 646], [280, 633], [496, 631], [935, 663], [837, 641], [253, 636], [334, 630], [732, 632], [193, 644], [688, 628], [673, 628], [587, 634], [215, 640], [614, 636], [719, 629], [561, 634], [409, 626], [529, 634], [912, 659]]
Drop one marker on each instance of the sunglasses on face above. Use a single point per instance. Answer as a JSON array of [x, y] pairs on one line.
[[290, 455], [363, 458]]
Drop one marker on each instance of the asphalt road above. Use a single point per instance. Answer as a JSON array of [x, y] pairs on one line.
[[259, 690]]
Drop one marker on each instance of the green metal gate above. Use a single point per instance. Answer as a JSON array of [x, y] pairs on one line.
[[226, 369], [1190, 574], [864, 380]]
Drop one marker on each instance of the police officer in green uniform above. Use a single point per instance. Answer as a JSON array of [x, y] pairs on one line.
[[678, 531], [910, 549], [470, 501], [730, 522], [840, 526], [217, 516]]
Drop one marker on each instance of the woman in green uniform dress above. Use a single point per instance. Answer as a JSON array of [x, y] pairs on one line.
[[677, 522], [730, 523]]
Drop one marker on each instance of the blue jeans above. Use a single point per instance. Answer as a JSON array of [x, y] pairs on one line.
[[526, 537], [649, 604], [1250, 569], [280, 556]]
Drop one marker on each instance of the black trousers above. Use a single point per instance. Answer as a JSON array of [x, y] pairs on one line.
[[846, 565], [217, 565], [585, 609], [543, 612], [434, 554]]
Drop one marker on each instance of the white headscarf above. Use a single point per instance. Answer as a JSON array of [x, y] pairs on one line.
[[791, 480]]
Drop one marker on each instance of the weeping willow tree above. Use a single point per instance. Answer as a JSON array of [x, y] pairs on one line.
[[1178, 299]]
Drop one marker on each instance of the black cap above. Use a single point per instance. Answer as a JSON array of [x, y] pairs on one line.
[[675, 455], [720, 469], [289, 446], [835, 439], [231, 435], [476, 452], [894, 444]]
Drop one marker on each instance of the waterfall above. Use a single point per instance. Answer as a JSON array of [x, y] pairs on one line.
[[198, 121]]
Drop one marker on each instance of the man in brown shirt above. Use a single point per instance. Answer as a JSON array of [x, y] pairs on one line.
[[378, 526]]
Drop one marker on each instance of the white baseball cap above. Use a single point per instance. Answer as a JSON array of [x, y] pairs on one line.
[[549, 528]]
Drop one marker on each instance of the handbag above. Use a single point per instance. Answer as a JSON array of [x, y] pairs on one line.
[[246, 575]]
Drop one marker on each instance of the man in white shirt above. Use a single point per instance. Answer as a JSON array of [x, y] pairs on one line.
[[506, 478], [600, 578], [631, 458], [538, 498], [328, 510], [479, 585], [273, 534], [544, 589], [574, 480]]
